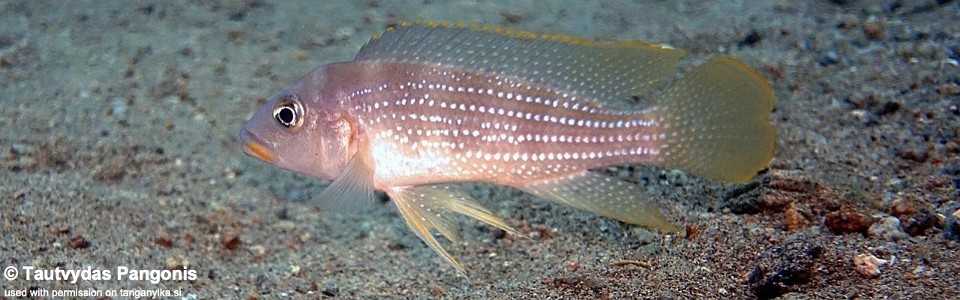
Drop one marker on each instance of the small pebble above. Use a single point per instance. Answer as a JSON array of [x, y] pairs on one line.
[[868, 265], [78, 242], [19, 149], [887, 228], [920, 271], [164, 241], [829, 58], [535, 235], [902, 208], [848, 220], [793, 219], [920, 224], [917, 154], [572, 266], [295, 270], [785, 268], [177, 262], [230, 239], [948, 89], [873, 30], [951, 230], [119, 108], [437, 291]]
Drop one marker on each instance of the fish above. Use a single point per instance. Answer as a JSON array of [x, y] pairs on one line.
[[426, 106]]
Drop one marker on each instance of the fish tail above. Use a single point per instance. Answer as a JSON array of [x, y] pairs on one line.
[[715, 121]]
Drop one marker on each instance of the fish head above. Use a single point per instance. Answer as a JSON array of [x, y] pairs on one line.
[[300, 129]]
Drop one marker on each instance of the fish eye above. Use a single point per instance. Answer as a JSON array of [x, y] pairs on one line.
[[288, 112]]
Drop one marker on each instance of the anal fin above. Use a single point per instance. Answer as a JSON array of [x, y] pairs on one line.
[[427, 208], [604, 195]]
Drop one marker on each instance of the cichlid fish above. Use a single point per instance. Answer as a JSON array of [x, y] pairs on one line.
[[426, 105]]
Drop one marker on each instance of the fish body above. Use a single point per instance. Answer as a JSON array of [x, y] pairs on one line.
[[425, 106], [439, 124]]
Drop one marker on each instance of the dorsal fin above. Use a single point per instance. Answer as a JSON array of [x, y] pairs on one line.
[[601, 70]]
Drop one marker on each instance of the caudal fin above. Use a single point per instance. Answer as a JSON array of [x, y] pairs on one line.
[[715, 121]]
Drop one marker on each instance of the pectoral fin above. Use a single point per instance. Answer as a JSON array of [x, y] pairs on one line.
[[352, 191], [426, 208], [605, 196]]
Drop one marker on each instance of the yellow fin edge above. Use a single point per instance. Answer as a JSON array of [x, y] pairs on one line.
[[527, 35]]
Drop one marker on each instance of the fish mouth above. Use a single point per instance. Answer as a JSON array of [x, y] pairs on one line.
[[254, 147]]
